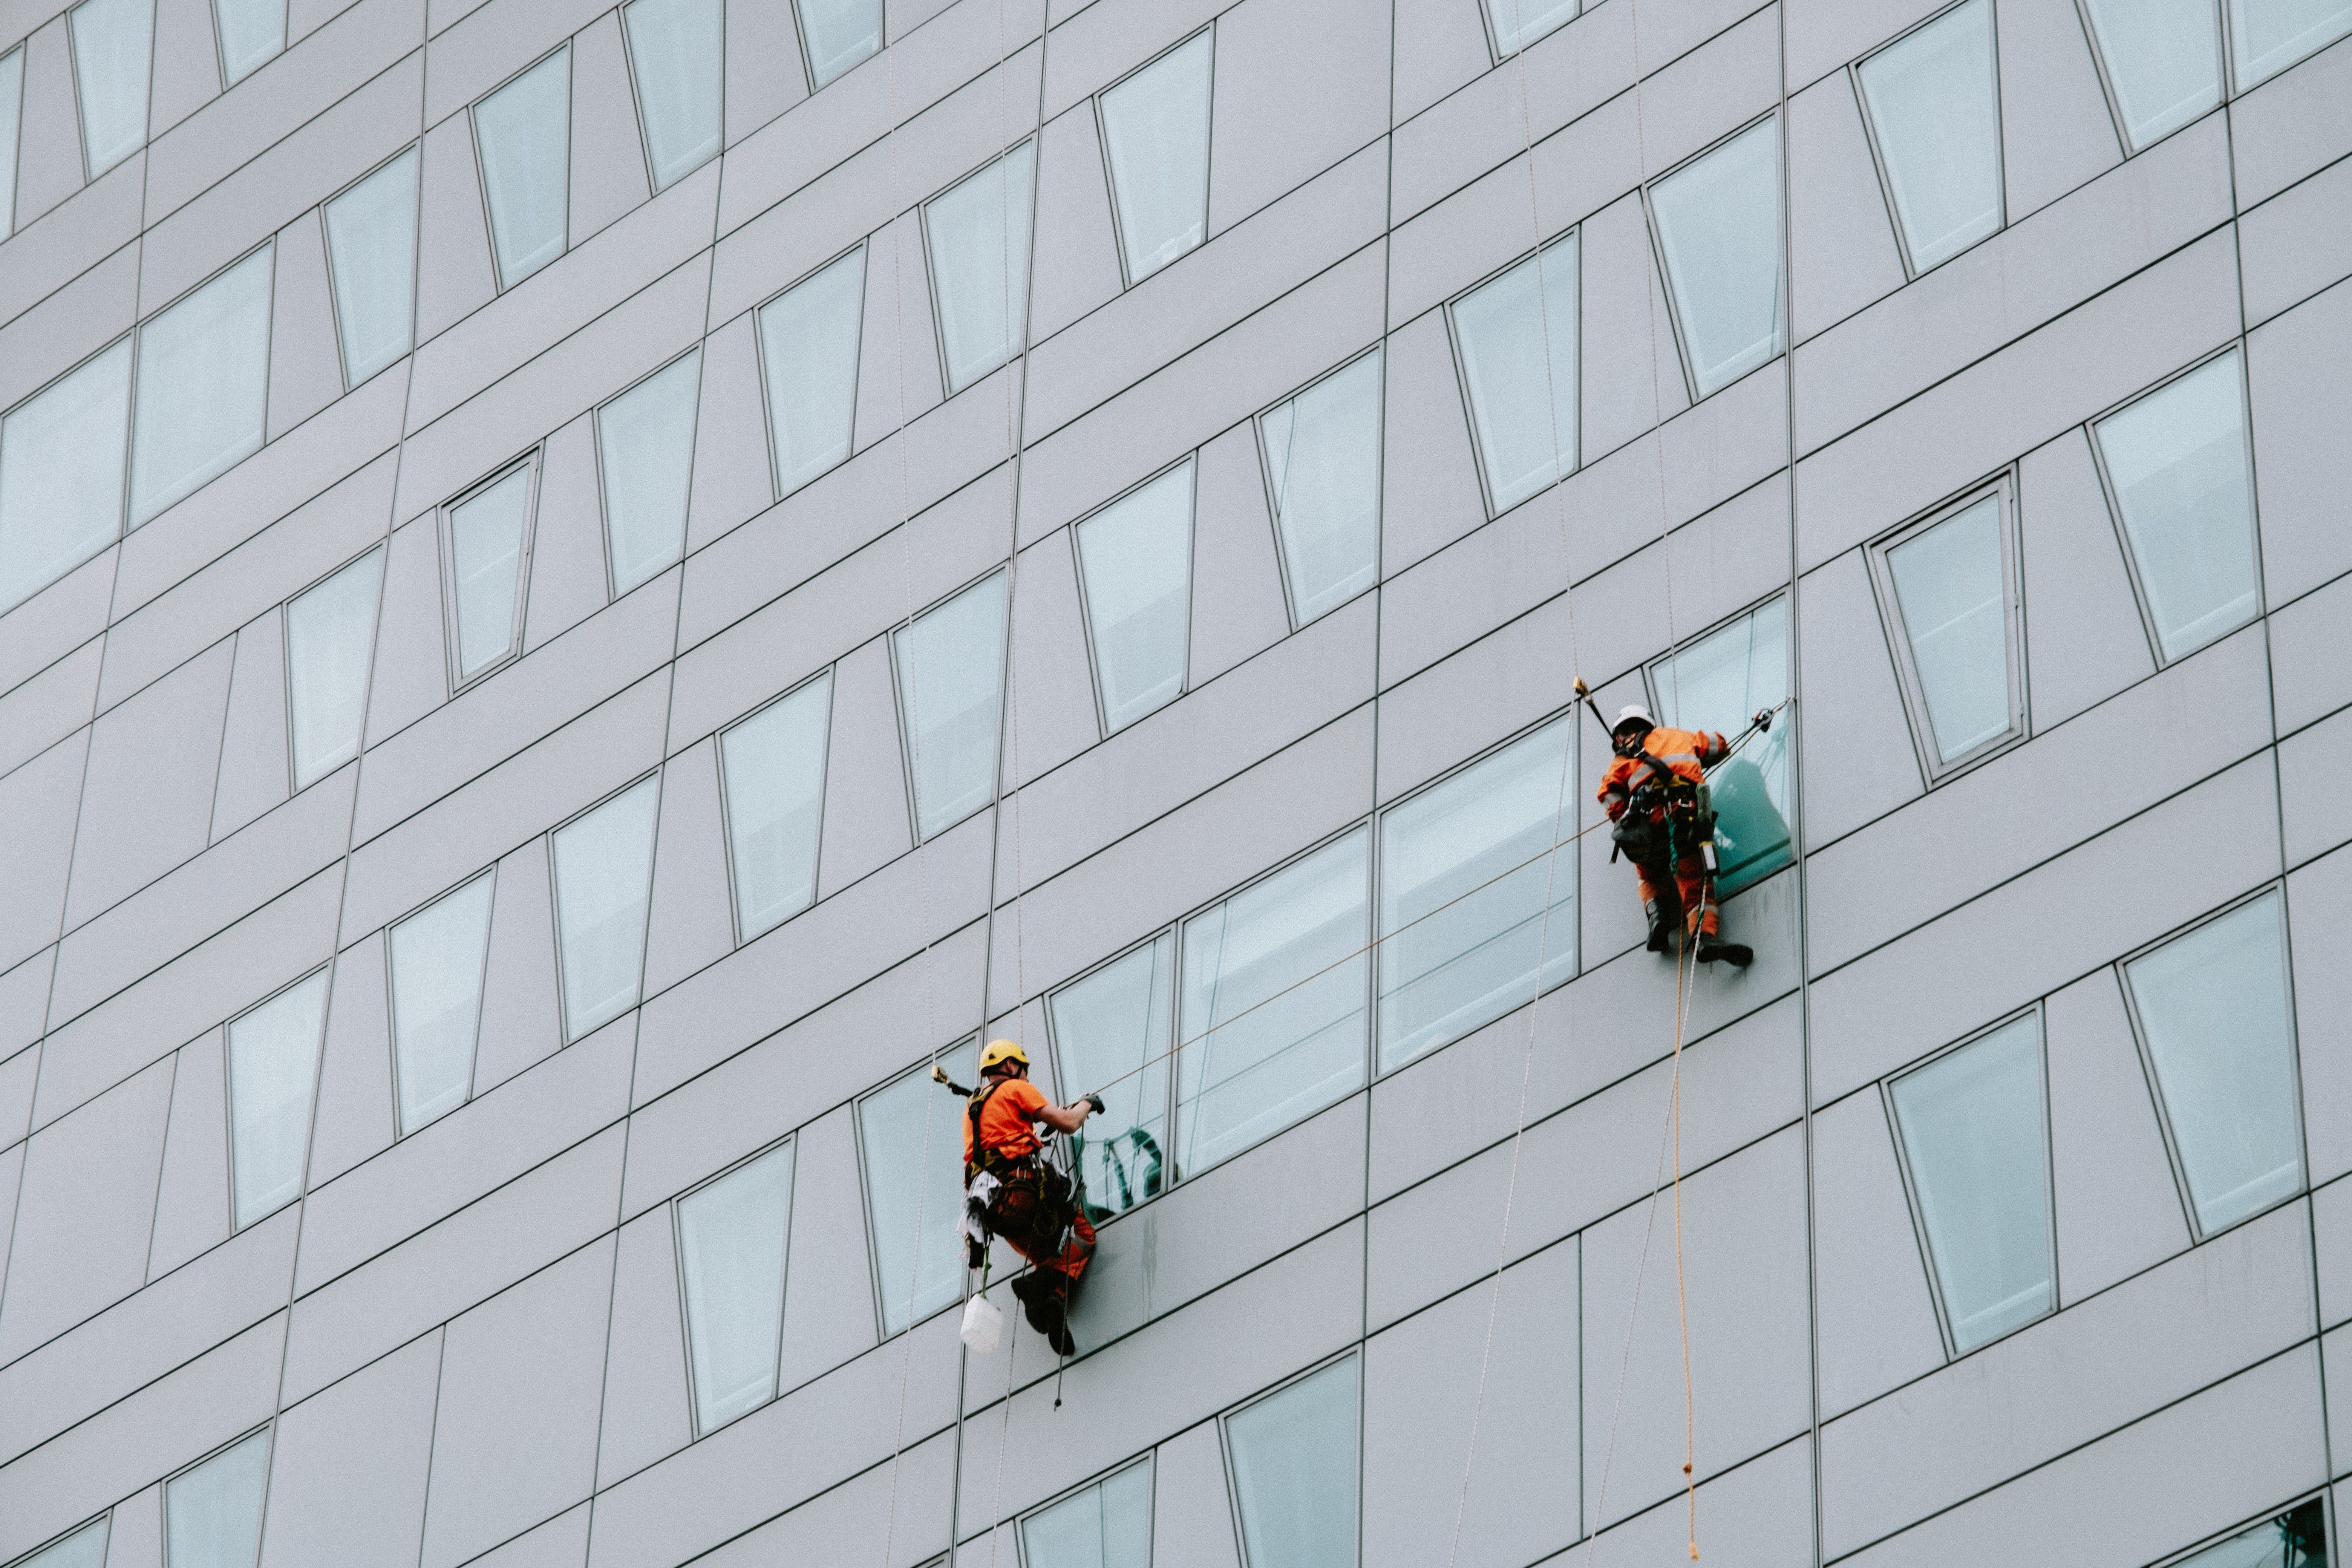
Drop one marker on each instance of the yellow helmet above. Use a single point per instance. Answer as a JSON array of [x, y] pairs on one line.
[[997, 1052]]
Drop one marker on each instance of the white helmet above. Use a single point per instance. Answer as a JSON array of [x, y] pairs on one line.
[[1630, 713]]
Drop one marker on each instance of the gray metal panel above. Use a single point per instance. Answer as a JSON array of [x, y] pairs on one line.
[[410, 676], [895, 388], [69, 326], [2055, 129], [1826, 33], [134, 1531], [50, 706], [732, 477], [2085, 639], [759, 81], [355, 1119], [646, 1410], [2312, 765], [2299, 390], [522, 1023], [453, 273], [568, 577], [187, 73], [1428, 477], [1295, 91], [254, 767], [48, 160], [306, 369], [1191, 1510], [1874, 1319], [1238, 608], [348, 1468], [42, 797], [1758, 1514], [2119, 1208], [2295, 123], [2319, 898], [691, 916], [148, 800], [2295, 245], [1852, 708], [1632, 373], [2331, 1233], [1077, 264], [192, 1197], [1841, 242], [608, 160], [1049, 715], [828, 1283]]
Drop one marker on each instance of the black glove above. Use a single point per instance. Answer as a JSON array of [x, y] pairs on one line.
[[1095, 1100]]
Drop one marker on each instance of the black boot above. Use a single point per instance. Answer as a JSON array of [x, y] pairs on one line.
[[1713, 948], [1662, 929], [1049, 1316]]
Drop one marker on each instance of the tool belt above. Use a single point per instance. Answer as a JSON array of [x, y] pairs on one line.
[[1665, 817]]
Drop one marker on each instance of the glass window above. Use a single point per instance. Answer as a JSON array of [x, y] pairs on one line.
[[808, 348], [2213, 1010], [2296, 1539], [1110, 1033], [1323, 468], [674, 54], [1155, 128], [1135, 557], [1518, 340], [978, 237], [1272, 1015], [1109, 1525], [1952, 599], [330, 634], [2268, 36], [437, 956], [839, 34], [1935, 107], [1718, 683], [273, 1063], [61, 456], [646, 439], [914, 1188], [203, 386], [2163, 60], [1518, 23], [525, 132], [371, 250], [488, 532], [252, 33], [1463, 881], [1719, 229], [604, 872], [2177, 460], [85, 1548], [731, 1245], [110, 53], [951, 667], [12, 95], [211, 1514], [773, 764], [1977, 1145], [1295, 1472]]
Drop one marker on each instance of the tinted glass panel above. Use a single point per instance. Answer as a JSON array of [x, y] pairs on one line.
[[674, 54], [1156, 131], [646, 439], [212, 1515], [1109, 1525], [1111, 1032], [978, 235], [950, 664], [273, 1063], [485, 537], [1323, 464], [2163, 59], [2293, 1540], [525, 129], [85, 1548], [914, 1188], [12, 92], [839, 34], [1523, 396], [1719, 227], [604, 869], [330, 633], [2268, 36], [1295, 1472], [61, 456], [2178, 459], [1718, 683], [252, 31], [438, 956], [1518, 23], [808, 346], [203, 386], [730, 1243], [1953, 596], [1933, 104], [774, 764], [372, 246], [1136, 555], [110, 52]]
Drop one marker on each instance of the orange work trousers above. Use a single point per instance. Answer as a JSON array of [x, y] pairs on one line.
[[1690, 901], [1025, 1215], [1068, 1264]]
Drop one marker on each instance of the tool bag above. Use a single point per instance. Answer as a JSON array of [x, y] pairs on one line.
[[1663, 814]]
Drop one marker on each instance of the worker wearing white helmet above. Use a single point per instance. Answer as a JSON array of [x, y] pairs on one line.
[[1652, 791]]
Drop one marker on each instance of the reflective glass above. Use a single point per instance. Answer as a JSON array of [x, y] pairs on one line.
[[61, 456], [1109, 1525], [372, 246], [2268, 36], [1295, 1472], [1522, 399], [1976, 1138], [2163, 59], [85, 1548], [12, 94], [2177, 460], [1156, 131], [808, 348], [2297, 1539], [212, 1515], [525, 131], [1718, 683], [839, 34], [730, 1243], [329, 634], [437, 957], [1136, 556], [603, 870], [1271, 1023], [1933, 103], [774, 764], [1518, 23], [914, 1188], [110, 53], [252, 33], [2213, 1006], [1719, 227], [1464, 879], [486, 538], [1110, 1033], [203, 386], [646, 439], [1323, 464], [979, 236], [1953, 596], [674, 54], [951, 667], [273, 1064]]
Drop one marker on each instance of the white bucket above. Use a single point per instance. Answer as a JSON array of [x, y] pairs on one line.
[[984, 1325]]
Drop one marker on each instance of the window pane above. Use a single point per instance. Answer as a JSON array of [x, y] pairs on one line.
[[329, 632], [524, 129], [604, 868], [1109, 1525], [978, 235], [1323, 462], [485, 534], [1522, 399], [1111, 1032], [61, 475], [110, 40], [1272, 1022], [85, 1548], [1933, 103], [2294, 1540], [1518, 23], [203, 386], [2213, 1005], [1461, 930], [808, 345], [273, 1062], [1973, 1132], [839, 34], [2177, 458], [1718, 683], [252, 31], [645, 438], [2268, 36], [914, 1188], [1719, 227], [2163, 58], [731, 1240], [1136, 557], [674, 54], [438, 956], [1295, 1472], [1156, 131], [950, 664], [213, 1514], [774, 764], [1954, 601], [12, 92], [372, 245]]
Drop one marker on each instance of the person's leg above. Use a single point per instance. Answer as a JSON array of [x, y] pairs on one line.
[[1696, 889], [1661, 906]]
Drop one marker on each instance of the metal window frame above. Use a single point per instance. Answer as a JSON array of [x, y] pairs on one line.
[[416, 240], [1145, 1460], [676, 1206], [1912, 267], [1664, 274], [266, 1431], [808, 55], [555, 899], [482, 997], [284, 611], [613, 589], [220, 50], [1127, 279], [1190, 460], [102, 1521], [132, 522], [776, 490], [865, 1185], [909, 753], [130, 418], [445, 524], [727, 805], [499, 282], [1498, 55], [1165, 1065], [2323, 1495], [228, 1095], [654, 183], [16, 116], [1016, 346], [81, 118], [2114, 96], [1233, 1475], [1573, 235], [1375, 349]]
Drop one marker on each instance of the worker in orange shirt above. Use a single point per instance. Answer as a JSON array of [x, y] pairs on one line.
[[1653, 792], [1021, 1197]]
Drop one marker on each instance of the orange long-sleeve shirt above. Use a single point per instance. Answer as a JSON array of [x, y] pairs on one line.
[[1683, 752]]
